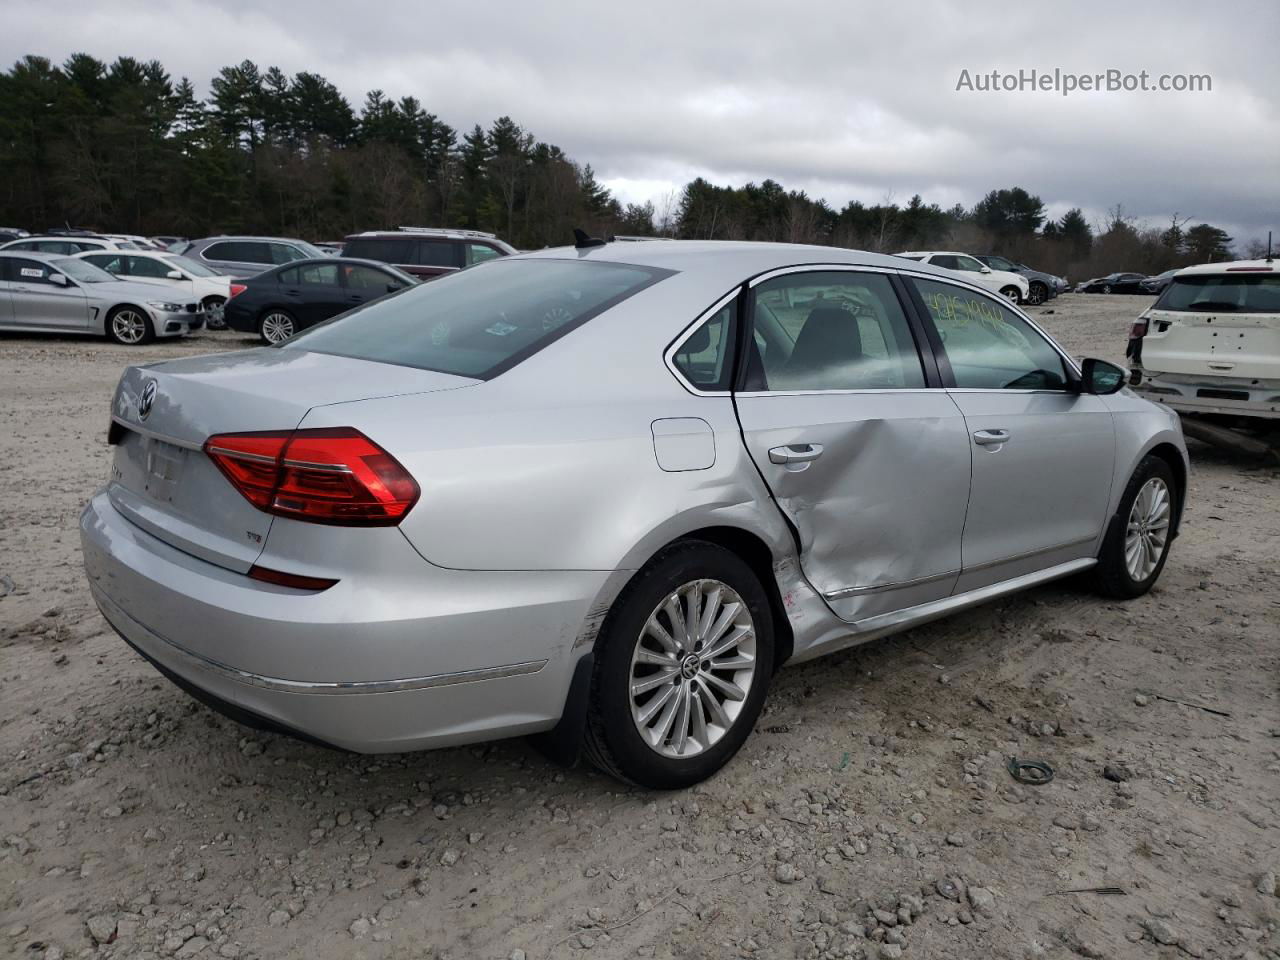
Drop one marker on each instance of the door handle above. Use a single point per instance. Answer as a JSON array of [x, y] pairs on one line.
[[990, 438], [795, 453]]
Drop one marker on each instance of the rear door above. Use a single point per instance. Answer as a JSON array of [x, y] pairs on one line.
[[1043, 453], [863, 450], [6, 299], [320, 294]]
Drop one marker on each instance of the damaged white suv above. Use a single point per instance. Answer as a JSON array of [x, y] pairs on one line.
[[1211, 343]]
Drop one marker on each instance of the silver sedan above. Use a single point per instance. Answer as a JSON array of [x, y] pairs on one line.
[[601, 494], [58, 294]]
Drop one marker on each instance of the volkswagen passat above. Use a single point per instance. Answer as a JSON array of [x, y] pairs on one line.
[[602, 493]]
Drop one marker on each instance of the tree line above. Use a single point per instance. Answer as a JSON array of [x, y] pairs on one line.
[[125, 147]]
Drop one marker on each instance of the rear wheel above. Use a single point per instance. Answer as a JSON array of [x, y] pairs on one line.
[[130, 326], [212, 307], [1138, 540], [682, 667], [1011, 294], [276, 326]]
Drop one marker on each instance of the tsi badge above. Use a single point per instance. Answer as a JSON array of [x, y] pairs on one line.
[[147, 400]]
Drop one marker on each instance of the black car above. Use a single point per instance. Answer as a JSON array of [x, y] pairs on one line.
[[277, 304], [1115, 283], [1157, 283]]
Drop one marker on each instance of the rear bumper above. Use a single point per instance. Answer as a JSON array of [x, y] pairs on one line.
[[460, 657], [1224, 396]]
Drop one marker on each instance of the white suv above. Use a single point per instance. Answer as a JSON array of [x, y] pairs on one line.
[[1211, 343], [1013, 286]]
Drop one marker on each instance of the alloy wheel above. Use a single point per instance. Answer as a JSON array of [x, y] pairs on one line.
[[129, 326], [692, 668], [277, 327], [1148, 529], [1010, 294], [1036, 294]]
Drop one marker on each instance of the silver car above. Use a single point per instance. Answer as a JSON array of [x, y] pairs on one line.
[[57, 294], [601, 493], [247, 256]]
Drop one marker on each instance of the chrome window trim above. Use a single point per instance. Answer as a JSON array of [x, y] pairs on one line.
[[670, 353], [157, 435], [817, 268]]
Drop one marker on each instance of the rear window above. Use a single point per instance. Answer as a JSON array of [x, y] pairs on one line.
[[480, 322], [1222, 293]]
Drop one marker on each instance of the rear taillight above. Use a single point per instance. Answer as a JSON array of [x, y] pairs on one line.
[[1139, 329], [330, 475], [236, 290]]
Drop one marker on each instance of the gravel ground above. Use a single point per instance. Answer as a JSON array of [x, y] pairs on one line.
[[870, 815]]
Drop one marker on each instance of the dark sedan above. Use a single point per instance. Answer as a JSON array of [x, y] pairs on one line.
[[1115, 283], [1157, 283], [277, 304]]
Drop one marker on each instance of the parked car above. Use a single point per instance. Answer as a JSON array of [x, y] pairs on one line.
[[427, 251], [332, 248], [1114, 283], [64, 245], [57, 294], [1012, 286], [1157, 283], [130, 241], [167, 243], [187, 277], [558, 493], [247, 256], [1211, 343], [1040, 286], [12, 233], [279, 303]]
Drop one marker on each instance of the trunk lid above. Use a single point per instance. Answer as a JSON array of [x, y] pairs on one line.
[[1197, 343], [161, 479]]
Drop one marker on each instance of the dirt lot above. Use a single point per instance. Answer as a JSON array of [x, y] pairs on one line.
[[870, 815]]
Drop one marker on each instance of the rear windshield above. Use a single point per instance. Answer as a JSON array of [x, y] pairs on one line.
[[482, 321], [1222, 293]]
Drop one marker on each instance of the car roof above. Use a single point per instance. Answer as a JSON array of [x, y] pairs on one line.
[[731, 257], [238, 236], [39, 255], [347, 261], [932, 253], [1231, 266]]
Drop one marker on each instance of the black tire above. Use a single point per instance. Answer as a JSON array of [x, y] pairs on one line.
[[612, 739], [268, 321], [1038, 294], [115, 332], [1112, 576]]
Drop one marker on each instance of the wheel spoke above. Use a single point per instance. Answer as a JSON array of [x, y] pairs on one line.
[[656, 703], [692, 608], [659, 633], [718, 716], [648, 683], [681, 735], [728, 643], [733, 663], [663, 726], [727, 616], [676, 616], [731, 690], [648, 657], [697, 716], [709, 610]]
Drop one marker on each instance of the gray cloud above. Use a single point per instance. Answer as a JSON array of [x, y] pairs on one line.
[[843, 100]]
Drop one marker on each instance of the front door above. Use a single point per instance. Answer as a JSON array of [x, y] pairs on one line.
[[1043, 453], [39, 302], [867, 457]]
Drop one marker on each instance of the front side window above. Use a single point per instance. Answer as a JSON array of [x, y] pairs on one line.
[[989, 346], [82, 271], [1229, 293], [1000, 263], [705, 357], [480, 252], [969, 264], [284, 253], [481, 322], [190, 266], [146, 267], [367, 278], [27, 271], [834, 330], [110, 262]]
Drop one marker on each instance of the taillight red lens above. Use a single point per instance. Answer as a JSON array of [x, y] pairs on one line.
[[1138, 330], [329, 475], [236, 290]]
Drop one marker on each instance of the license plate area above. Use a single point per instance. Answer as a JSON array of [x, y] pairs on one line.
[[165, 463]]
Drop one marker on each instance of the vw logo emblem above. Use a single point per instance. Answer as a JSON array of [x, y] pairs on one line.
[[147, 400]]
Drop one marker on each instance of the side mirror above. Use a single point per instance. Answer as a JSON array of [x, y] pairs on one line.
[[392, 287], [1100, 378], [175, 275], [57, 278], [986, 270]]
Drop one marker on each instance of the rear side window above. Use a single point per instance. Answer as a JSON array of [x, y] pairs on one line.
[[386, 249], [480, 252], [146, 267], [238, 251], [1222, 293], [319, 274], [481, 322], [705, 357]]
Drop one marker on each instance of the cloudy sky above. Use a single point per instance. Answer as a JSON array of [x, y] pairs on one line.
[[840, 99]]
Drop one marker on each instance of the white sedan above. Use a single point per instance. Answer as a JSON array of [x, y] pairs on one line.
[[192, 278], [1014, 287]]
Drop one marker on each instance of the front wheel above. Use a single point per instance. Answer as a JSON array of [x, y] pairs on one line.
[[276, 326], [682, 667], [1138, 540], [1107, 289], [1038, 294], [1011, 294], [130, 326]]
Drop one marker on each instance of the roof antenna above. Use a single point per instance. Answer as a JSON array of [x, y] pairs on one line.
[[582, 241]]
